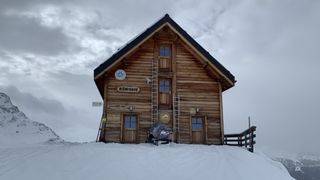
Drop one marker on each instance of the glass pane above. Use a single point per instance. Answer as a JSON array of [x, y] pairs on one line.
[[133, 126], [161, 83], [127, 122], [199, 126], [162, 51], [133, 122], [194, 126], [167, 51], [199, 120], [193, 120]]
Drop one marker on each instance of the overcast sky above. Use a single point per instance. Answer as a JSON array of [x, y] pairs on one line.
[[48, 50]]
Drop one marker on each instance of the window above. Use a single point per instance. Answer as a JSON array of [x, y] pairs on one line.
[[165, 51], [164, 86], [197, 122], [130, 121]]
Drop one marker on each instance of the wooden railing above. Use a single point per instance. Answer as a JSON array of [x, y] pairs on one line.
[[244, 139]]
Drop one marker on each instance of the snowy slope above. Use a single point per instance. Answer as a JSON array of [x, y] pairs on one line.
[[142, 162], [23, 155], [300, 166], [17, 130]]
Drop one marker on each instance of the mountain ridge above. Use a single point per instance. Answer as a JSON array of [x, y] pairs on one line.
[[16, 128]]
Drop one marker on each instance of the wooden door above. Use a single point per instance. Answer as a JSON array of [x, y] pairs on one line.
[[197, 129], [130, 133], [165, 93]]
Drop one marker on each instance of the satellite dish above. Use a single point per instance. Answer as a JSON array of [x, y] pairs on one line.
[[120, 74]]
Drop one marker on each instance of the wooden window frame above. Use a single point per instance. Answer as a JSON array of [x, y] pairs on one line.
[[163, 45], [165, 106], [169, 86], [165, 57], [197, 123], [130, 115]]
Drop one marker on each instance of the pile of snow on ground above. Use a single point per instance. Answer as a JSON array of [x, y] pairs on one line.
[[23, 155], [17, 129], [101, 161]]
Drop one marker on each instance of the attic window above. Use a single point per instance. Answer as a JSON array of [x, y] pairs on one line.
[[165, 51]]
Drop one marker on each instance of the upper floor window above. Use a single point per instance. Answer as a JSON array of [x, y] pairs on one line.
[[164, 85], [165, 51]]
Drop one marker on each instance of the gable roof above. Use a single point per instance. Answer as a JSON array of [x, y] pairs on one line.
[[166, 19]]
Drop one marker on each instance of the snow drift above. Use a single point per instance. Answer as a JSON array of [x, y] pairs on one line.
[[17, 129], [23, 155], [142, 162]]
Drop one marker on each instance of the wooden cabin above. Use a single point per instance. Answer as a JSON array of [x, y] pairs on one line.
[[162, 75]]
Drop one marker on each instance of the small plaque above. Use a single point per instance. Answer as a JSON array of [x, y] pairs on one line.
[[192, 110], [164, 117], [128, 89], [120, 74], [96, 104]]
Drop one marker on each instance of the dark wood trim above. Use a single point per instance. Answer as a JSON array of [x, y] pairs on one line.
[[104, 111], [163, 106], [221, 113]]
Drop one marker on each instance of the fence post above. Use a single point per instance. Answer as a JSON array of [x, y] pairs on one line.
[[251, 139]]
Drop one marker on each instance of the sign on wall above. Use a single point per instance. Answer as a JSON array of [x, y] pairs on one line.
[[120, 74], [164, 117], [128, 89], [96, 104]]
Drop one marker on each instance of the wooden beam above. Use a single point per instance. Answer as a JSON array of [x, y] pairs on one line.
[[221, 113], [104, 111]]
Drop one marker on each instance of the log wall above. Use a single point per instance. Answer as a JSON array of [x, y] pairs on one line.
[[191, 81], [197, 90]]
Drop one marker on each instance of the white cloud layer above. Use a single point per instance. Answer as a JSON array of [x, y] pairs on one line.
[[48, 50]]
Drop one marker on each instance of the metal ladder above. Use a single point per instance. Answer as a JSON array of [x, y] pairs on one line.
[[176, 116], [154, 92]]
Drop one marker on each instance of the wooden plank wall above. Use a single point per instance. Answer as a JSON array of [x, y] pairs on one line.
[[137, 68], [193, 84], [197, 89]]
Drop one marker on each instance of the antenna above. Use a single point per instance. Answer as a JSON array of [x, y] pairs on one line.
[[249, 122]]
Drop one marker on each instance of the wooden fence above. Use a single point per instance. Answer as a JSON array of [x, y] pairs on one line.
[[244, 139]]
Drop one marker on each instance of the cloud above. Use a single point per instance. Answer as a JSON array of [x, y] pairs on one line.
[[270, 46], [19, 34], [30, 102]]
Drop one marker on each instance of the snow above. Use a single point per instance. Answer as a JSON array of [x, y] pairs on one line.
[[16, 129], [142, 161], [27, 151]]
